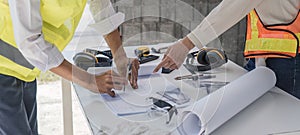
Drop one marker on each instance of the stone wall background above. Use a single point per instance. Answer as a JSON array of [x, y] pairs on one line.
[[156, 21]]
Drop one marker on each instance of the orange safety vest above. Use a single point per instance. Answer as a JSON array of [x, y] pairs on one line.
[[277, 41]]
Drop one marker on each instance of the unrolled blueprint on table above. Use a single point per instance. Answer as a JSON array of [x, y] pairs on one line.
[[133, 101]]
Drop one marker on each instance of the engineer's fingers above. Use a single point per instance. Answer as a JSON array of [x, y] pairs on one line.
[[174, 66], [160, 65], [133, 76], [111, 93]]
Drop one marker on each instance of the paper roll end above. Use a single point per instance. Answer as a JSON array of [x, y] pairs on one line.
[[190, 125]]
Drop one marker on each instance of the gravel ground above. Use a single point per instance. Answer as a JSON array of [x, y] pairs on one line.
[[50, 120]]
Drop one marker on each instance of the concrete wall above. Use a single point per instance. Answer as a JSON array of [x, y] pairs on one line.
[[155, 21]]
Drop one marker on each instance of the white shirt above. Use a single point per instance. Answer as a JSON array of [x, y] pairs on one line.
[[27, 23], [229, 12]]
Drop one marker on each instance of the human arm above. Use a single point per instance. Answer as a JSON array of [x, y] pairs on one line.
[[175, 55], [29, 38], [114, 41], [27, 26], [106, 23], [102, 83], [220, 19]]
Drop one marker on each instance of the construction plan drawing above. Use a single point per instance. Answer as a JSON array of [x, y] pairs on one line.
[[132, 101]]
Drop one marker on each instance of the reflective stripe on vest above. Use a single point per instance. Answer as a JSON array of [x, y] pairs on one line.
[[280, 41], [14, 63], [60, 19]]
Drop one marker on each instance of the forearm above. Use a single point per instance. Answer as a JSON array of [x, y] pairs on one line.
[[107, 22], [121, 60], [75, 74], [188, 43], [113, 40]]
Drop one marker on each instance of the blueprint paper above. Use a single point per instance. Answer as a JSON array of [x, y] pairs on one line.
[[134, 101], [121, 108], [210, 112], [148, 86], [147, 69]]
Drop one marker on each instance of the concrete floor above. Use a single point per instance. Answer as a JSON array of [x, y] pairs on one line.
[[50, 120]]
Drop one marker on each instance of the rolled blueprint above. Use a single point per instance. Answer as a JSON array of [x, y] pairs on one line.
[[210, 112]]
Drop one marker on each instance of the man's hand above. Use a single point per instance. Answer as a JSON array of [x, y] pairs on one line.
[[174, 57], [176, 54], [104, 83], [123, 63], [133, 76]]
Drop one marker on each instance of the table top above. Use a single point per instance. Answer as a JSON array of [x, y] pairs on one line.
[[274, 112]]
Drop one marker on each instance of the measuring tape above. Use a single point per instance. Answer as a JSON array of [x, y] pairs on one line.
[[142, 51]]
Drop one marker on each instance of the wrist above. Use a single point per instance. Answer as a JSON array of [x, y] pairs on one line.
[[120, 59], [85, 80], [90, 83], [188, 43], [120, 53]]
